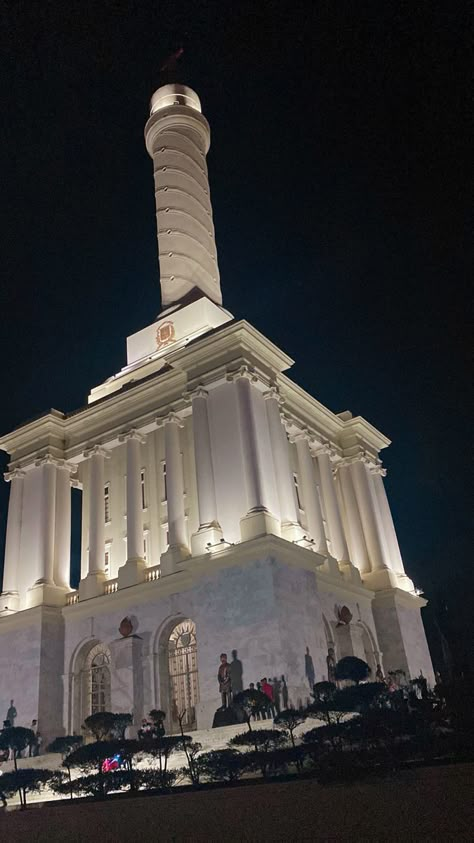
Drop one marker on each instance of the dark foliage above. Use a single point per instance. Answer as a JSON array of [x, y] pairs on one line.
[[264, 742], [16, 738], [105, 725], [350, 667], [227, 765], [65, 745], [23, 781], [251, 702]]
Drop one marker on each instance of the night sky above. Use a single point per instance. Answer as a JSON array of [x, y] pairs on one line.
[[339, 178]]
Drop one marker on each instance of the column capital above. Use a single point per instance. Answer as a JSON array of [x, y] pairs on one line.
[[320, 449], [171, 418], [49, 459], [96, 451], [243, 372], [132, 434], [378, 469], [198, 392], [274, 393], [14, 474], [300, 436]]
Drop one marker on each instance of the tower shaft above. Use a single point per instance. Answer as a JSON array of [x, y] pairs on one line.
[[177, 138]]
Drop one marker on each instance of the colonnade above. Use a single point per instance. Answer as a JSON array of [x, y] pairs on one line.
[[346, 511]]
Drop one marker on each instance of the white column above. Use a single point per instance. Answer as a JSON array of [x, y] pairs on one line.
[[48, 465], [178, 539], [133, 440], [96, 455], [371, 525], [283, 471], [209, 528], [250, 453], [62, 549], [356, 538], [314, 518], [258, 520], [93, 584], [378, 473], [328, 489], [13, 537]]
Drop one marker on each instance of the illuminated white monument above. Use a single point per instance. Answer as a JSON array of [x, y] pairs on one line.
[[223, 508]]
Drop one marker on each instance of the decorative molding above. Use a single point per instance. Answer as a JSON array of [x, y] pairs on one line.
[[246, 372], [96, 451], [14, 474], [171, 418], [49, 459], [132, 434], [274, 393]]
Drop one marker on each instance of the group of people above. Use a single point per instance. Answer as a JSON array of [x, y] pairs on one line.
[[276, 691], [34, 747], [229, 677]]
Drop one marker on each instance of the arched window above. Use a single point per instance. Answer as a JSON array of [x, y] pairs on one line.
[[96, 682], [183, 674]]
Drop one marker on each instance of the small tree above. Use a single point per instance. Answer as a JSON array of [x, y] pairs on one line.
[[251, 702], [91, 757], [350, 667], [65, 745], [219, 765], [264, 742], [15, 739], [105, 725], [162, 749], [26, 780], [290, 719]]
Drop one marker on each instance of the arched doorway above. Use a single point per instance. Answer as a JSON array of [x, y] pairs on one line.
[[183, 674]]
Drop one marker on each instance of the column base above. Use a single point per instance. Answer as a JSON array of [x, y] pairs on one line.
[[171, 558], [401, 633], [292, 531], [350, 573], [9, 602], [383, 579], [208, 534], [331, 566], [259, 523], [132, 573], [92, 585], [45, 593]]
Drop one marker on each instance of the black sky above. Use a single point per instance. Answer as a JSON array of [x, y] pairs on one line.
[[339, 171]]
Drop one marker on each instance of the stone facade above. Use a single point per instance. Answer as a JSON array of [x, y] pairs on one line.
[[221, 505]]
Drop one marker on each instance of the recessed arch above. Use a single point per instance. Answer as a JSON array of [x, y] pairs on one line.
[[178, 671]]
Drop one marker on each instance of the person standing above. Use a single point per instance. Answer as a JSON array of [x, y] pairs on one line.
[[33, 747], [284, 693], [268, 691], [225, 682]]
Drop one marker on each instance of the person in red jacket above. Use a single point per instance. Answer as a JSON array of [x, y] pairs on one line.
[[268, 691]]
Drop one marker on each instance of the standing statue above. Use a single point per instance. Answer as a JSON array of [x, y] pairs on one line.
[[379, 677], [225, 682], [309, 669], [11, 714], [331, 665]]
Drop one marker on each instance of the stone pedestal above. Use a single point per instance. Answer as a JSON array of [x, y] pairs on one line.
[[401, 633], [132, 573], [350, 573], [205, 536], [383, 579], [330, 565], [127, 677], [257, 524], [9, 602], [92, 585], [46, 594], [172, 558]]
